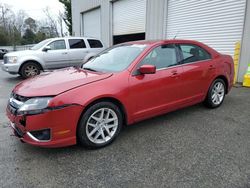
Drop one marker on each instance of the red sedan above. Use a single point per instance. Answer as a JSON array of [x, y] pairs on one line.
[[125, 84]]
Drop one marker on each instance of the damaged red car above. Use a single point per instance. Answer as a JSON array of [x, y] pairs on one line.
[[122, 85]]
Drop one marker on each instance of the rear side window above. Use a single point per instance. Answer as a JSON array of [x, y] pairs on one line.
[[161, 57], [95, 43], [76, 43], [57, 45], [193, 53]]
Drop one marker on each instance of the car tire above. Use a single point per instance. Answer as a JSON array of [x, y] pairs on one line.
[[99, 125], [216, 94], [30, 69]]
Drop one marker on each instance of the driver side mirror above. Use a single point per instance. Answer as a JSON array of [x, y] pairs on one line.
[[147, 69], [46, 48]]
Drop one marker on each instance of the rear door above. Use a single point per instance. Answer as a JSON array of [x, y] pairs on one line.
[[57, 56], [160, 92], [198, 71], [95, 46], [77, 51]]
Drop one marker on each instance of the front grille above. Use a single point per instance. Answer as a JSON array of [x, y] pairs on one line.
[[5, 59]]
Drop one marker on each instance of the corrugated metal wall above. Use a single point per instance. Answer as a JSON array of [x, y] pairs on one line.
[[217, 23], [129, 16]]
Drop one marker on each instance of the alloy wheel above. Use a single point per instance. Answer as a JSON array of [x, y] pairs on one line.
[[218, 93], [31, 70], [102, 125]]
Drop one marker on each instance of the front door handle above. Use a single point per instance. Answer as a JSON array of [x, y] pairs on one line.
[[65, 53], [174, 73]]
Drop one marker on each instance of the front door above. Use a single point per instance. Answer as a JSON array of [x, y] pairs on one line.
[[57, 56], [153, 94]]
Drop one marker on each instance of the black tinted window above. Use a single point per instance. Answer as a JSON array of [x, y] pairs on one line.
[[192, 53], [76, 43], [95, 43], [162, 57], [57, 45]]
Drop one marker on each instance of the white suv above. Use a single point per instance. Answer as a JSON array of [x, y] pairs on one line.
[[52, 54]]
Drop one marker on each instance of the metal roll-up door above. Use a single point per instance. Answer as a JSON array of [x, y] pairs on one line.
[[129, 16], [217, 23], [92, 23]]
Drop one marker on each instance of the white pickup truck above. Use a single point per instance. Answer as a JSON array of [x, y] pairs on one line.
[[52, 53]]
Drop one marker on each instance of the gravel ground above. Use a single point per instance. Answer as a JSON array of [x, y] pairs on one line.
[[193, 147]]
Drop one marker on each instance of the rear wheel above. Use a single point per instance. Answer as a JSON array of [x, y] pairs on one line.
[[216, 94], [30, 69], [99, 125]]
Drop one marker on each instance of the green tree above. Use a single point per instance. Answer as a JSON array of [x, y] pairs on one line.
[[67, 17], [29, 37], [4, 40], [40, 36], [30, 24]]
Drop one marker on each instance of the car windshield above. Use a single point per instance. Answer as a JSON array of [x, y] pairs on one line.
[[115, 59], [40, 44]]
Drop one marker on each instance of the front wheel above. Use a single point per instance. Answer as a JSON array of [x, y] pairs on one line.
[[29, 70], [216, 94], [99, 125]]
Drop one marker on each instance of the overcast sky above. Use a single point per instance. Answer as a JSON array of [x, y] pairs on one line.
[[34, 8]]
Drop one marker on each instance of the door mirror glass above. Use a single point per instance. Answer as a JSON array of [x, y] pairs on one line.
[[46, 48], [147, 69]]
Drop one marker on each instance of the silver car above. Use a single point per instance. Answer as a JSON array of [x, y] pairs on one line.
[[52, 54]]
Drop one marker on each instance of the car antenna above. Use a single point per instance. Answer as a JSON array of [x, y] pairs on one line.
[[176, 34]]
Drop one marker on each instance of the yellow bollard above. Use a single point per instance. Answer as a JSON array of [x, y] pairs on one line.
[[236, 60], [246, 80]]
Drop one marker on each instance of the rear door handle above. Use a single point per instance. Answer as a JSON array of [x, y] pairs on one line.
[[64, 53]]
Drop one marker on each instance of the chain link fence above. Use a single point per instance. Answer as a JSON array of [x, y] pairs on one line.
[[17, 48]]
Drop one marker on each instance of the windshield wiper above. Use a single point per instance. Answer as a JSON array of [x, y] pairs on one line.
[[90, 69]]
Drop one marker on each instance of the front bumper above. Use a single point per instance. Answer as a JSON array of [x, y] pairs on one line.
[[62, 124], [12, 68]]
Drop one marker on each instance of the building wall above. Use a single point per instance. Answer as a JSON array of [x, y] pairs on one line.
[[154, 20], [81, 6], [155, 24], [245, 45]]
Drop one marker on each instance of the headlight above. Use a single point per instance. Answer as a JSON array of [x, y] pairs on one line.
[[12, 59], [34, 105]]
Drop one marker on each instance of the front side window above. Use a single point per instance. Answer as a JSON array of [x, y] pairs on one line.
[[76, 43], [57, 45], [95, 43], [161, 57], [115, 59], [193, 53]]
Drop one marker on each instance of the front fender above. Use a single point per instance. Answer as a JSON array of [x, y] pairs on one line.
[[25, 59]]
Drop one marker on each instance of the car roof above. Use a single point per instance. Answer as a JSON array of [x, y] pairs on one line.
[[184, 41], [71, 37], [152, 42]]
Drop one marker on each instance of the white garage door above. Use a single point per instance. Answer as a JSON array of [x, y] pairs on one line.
[[129, 16], [217, 23], [92, 23]]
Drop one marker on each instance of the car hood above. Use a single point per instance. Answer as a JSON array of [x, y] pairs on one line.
[[56, 82], [21, 53]]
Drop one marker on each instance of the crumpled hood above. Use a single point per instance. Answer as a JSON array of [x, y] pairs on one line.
[[56, 82]]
